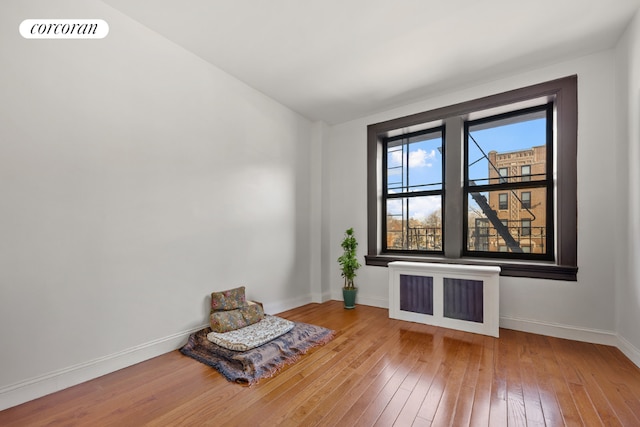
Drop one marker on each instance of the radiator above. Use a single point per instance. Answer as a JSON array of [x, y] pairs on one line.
[[456, 296]]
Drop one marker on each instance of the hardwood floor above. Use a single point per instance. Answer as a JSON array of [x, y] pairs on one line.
[[377, 371]]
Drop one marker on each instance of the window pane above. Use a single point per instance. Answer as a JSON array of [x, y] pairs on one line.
[[510, 149], [491, 229], [503, 201], [415, 163], [503, 174], [414, 223]]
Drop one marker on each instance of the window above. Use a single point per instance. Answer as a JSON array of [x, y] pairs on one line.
[[493, 145], [503, 175], [503, 202], [413, 192], [476, 181], [482, 233]]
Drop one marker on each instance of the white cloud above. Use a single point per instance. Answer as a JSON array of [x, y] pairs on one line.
[[418, 158], [396, 159]]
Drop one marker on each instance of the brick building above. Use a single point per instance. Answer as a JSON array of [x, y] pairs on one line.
[[522, 211]]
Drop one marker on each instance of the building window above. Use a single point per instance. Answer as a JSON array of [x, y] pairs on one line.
[[525, 199], [503, 202], [503, 175], [482, 233], [441, 182]]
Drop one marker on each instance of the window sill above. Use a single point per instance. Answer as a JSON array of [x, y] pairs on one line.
[[508, 268]]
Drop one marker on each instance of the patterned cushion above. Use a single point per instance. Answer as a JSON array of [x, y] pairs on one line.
[[228, 300], [271, 327], [230, 320]]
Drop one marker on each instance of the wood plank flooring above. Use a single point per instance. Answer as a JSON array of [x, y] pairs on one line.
[[376, 372]]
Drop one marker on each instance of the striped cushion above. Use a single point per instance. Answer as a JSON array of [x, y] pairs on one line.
[[229, 320]]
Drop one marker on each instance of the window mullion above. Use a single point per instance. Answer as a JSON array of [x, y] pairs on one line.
[[405, 187], [454, 207]]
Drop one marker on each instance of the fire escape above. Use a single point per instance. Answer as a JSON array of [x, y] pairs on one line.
[[492, 215]]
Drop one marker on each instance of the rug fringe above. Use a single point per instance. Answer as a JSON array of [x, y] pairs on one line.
[[292, 359]]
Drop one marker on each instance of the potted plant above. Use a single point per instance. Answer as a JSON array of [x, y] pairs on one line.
[[349, 265]]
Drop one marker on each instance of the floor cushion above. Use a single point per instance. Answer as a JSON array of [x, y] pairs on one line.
[[229, 299]]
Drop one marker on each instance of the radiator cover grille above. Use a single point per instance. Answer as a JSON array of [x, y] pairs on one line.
[[463, 299], [416, 294]]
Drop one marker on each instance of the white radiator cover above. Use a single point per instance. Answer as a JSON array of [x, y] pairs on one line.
[[434, 276]]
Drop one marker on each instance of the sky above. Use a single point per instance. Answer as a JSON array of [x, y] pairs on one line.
[[425, 160]]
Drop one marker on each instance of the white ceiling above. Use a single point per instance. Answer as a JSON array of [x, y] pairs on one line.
[[336, 60]]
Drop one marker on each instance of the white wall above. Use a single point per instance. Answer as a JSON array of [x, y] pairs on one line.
[[584, 309], [135, 179], [318, 263], [628, 252]]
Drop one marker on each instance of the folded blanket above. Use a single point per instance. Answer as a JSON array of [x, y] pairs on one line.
[[252, 336]]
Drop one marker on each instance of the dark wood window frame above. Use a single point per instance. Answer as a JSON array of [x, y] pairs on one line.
[[405, 191], [563, 93], [508, 186]]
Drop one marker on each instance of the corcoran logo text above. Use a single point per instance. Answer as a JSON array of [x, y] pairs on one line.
[[64, 29]]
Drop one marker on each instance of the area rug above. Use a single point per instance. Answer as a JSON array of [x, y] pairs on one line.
[[248, 367]]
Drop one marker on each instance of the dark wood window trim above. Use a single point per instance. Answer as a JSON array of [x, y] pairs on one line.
[[563, 93]]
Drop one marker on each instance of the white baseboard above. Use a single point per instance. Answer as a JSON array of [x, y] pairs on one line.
[[629, 350], [319, 298], [24, 391], [560, 331], [280, 306], [372, 301], [573, 333]]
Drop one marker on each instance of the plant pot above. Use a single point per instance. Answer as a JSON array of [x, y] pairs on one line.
[[349, 297]]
